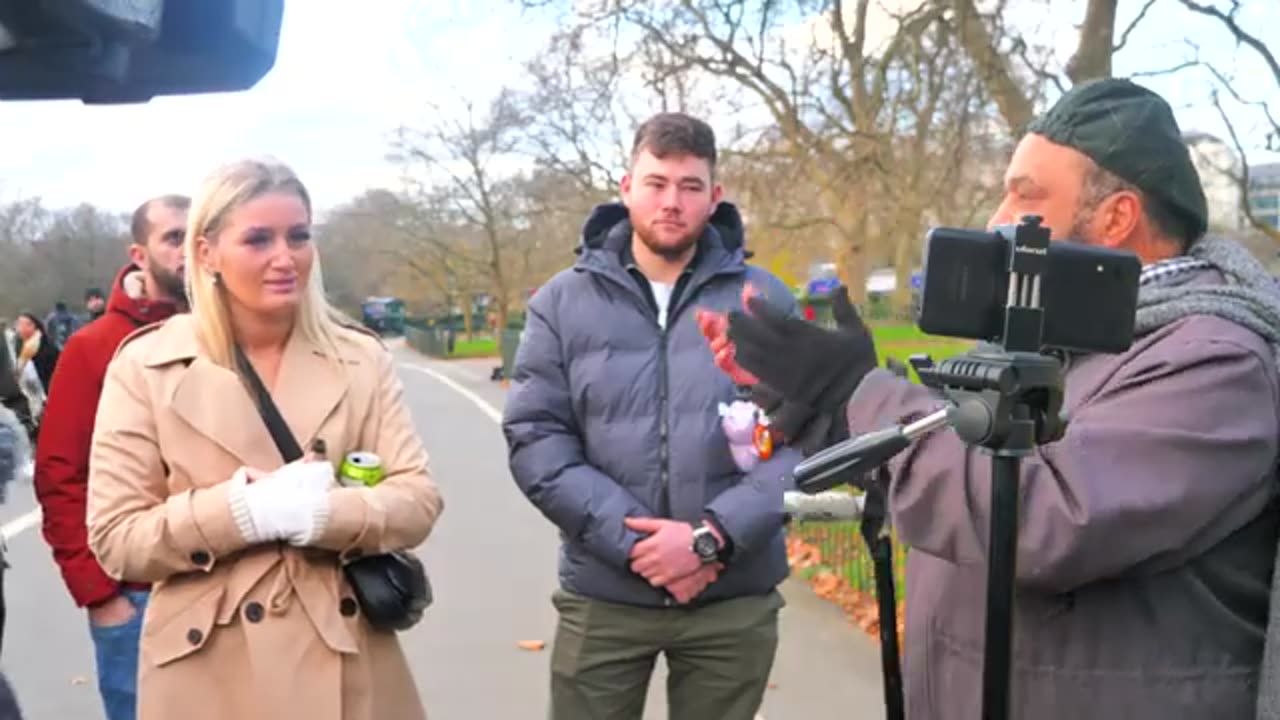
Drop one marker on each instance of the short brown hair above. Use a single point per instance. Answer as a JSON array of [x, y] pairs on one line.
[[674, 133], [140, 226]]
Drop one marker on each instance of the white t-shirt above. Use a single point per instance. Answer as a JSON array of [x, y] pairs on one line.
[[662, 295]]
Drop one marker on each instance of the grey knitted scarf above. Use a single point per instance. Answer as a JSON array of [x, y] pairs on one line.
[[1249, 297]]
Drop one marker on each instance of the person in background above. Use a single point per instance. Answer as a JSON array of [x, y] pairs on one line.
[[37, 352], [95, 303], [149, 289], [251, 615], [12, 396], [14, 456], [60, 324]]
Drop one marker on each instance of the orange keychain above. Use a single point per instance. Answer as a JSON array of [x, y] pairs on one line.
[[762, 438]]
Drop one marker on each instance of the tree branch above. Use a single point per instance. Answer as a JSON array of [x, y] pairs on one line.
[[1243, 180]]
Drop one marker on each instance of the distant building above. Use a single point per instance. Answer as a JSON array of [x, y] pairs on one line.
[[1219, 169], [1264, 193]]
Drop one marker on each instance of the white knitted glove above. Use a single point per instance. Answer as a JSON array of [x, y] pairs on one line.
[[290, 504]]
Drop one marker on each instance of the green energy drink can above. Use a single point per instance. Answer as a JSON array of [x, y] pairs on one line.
[[361, 468]]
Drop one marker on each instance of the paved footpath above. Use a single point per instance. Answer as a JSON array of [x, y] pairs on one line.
[[492, 562]]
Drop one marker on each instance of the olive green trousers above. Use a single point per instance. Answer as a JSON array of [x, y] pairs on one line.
[[718, 657]]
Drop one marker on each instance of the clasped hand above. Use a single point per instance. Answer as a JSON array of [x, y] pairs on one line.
[[291, 503], [666, 559]]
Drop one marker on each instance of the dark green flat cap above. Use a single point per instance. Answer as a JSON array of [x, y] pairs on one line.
[[1131, 132]]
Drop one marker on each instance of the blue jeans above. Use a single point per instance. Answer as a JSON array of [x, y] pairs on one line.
[[116, 651]]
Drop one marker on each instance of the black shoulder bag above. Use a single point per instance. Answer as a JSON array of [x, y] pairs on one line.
[[392, 588]]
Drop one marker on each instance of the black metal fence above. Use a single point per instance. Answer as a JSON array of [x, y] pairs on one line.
[[433, 342]]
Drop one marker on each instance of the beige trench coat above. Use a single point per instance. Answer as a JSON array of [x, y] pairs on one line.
[[270, 631]]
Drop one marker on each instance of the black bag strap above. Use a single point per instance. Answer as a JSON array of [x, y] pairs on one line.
[[286, 443], [875, 531]]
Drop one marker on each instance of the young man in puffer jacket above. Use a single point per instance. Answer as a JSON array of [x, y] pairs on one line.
[[615, 435]]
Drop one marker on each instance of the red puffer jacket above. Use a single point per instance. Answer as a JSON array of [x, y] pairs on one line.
[[62, 450]]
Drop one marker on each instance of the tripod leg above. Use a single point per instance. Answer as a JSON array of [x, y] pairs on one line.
[[874, 513], [1002, 557], [888, 600]]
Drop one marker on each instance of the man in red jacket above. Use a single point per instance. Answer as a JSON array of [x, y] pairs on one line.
[[148, 290]]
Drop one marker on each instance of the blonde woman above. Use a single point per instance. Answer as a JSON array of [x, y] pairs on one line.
[[251, 615]]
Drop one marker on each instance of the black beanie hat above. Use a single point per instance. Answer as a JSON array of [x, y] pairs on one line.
[[1131, 132]]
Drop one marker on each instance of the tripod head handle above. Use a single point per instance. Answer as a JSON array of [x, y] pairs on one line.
[[847, 462]]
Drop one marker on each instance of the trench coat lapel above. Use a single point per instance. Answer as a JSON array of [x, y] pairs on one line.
[[218, 405], [308, 388]]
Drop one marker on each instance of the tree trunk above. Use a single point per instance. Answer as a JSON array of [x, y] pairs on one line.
[[503, 310], [1093, 55], [468, 308], [903, 264]]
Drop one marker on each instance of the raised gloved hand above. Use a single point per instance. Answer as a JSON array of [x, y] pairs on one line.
[[806, 373], [290, 504]]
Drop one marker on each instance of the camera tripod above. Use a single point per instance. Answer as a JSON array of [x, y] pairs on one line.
[[1006, 399], [1007, 403]]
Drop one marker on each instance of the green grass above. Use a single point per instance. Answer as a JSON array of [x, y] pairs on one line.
[[479, 347], [902, 341]]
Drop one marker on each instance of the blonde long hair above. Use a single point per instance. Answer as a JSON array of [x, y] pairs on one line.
[[222, 192]]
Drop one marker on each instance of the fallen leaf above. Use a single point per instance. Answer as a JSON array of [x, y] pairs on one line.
[[531, 645], [773, 686]]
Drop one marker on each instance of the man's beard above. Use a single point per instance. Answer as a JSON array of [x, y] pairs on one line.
[[671, 250], [1080, 232], [169, 283]]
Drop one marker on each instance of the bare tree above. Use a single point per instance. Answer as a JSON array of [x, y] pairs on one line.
[[856, 118], [56, 255], [1225, 84], [455, 168]]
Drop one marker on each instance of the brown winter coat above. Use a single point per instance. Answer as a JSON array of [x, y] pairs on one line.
[[269, 631], [1147, 537]]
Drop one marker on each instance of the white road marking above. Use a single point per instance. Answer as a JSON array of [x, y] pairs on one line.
[[485, 407], [24, 522]]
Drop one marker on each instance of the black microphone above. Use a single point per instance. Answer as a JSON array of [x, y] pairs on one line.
[[855, 457]]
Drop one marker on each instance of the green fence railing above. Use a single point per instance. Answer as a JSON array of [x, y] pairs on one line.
[[433, 342]]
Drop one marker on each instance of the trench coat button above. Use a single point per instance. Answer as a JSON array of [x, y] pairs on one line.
[[347, 607], [194, 636], [253, 612], [200, 558]]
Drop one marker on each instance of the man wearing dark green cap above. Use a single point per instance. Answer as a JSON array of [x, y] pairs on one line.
[[1148, 534]]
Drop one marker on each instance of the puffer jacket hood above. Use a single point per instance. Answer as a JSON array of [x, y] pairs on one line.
[[613, 412], [609, 223]]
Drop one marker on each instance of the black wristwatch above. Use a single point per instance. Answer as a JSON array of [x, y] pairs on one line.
[[705, 545]]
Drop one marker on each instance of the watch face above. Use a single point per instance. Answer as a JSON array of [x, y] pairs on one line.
[[704, 544]]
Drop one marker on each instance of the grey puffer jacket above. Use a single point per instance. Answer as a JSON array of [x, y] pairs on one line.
[[15, 451], [610, 416]]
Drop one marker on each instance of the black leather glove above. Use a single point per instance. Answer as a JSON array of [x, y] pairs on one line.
[[798, 425], [807, 372]]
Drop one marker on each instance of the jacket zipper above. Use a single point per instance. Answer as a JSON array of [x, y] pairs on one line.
[[664, 452], [677, 302]]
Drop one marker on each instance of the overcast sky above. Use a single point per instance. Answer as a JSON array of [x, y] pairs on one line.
[[348, 73]]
